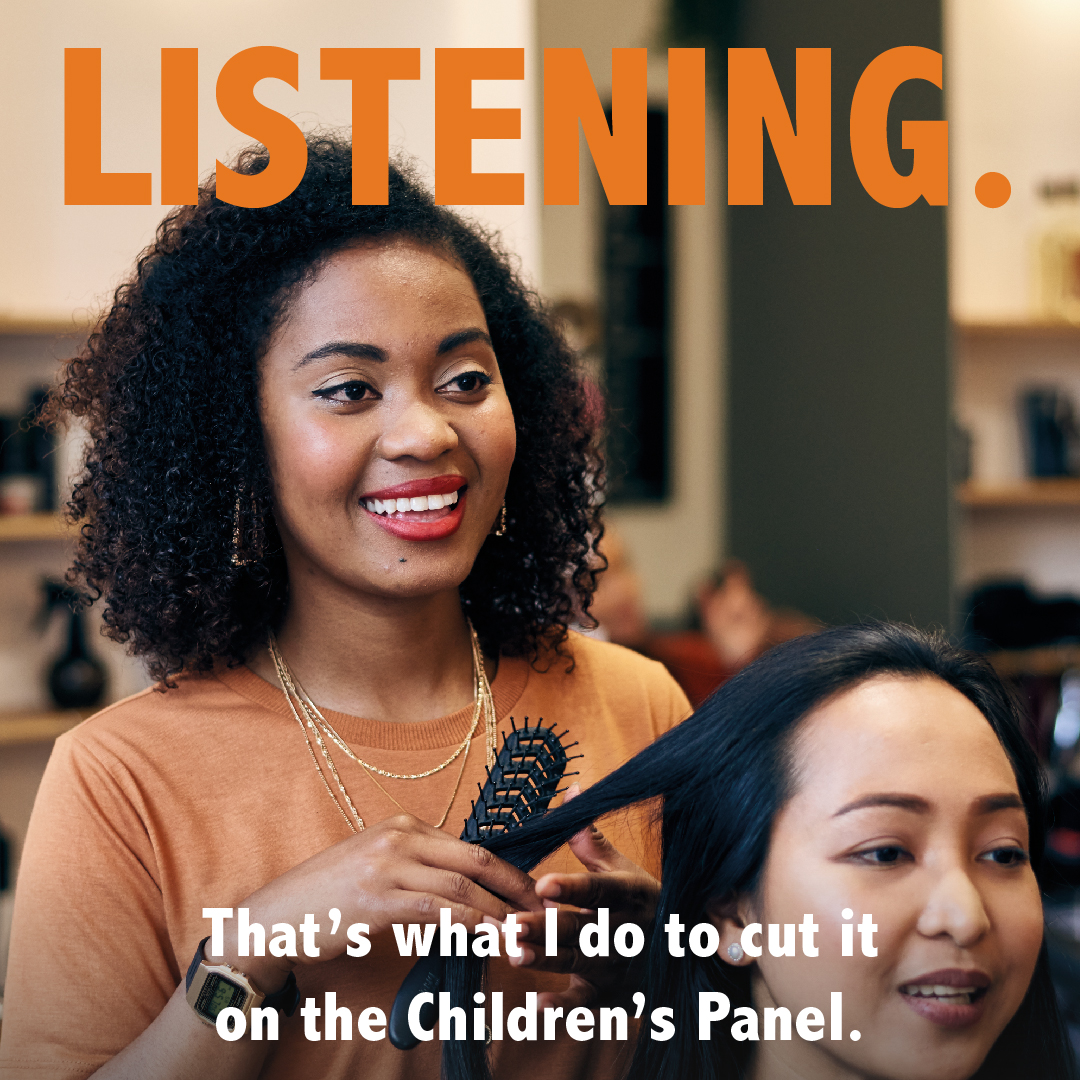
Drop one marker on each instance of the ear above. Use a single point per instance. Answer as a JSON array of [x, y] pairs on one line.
[[731, 915]]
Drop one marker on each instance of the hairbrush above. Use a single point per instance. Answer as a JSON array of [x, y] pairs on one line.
[[520, 785]]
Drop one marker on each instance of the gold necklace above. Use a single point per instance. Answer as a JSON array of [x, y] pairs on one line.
[[482, 698], [319, 726]]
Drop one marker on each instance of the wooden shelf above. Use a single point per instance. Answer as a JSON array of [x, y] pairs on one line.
[[43, 325], [1029, 330], [47, 526], [18, 729], [1045, 660], [1019, 494]]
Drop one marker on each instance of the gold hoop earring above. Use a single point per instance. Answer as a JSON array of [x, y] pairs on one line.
[[240, 556], [501, 529]]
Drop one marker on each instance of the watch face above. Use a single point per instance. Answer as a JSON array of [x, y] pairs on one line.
[[219, 993]]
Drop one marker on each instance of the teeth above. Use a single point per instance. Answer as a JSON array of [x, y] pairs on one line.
[[417, 505], [953, 995]]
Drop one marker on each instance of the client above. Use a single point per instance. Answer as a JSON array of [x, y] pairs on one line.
[[870, 774]]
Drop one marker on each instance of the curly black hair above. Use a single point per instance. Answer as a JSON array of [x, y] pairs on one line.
[[167, 386]]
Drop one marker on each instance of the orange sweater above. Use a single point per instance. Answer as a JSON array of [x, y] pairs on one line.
[[167, 803]]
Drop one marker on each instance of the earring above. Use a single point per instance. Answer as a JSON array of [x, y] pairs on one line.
[[735, 952], [500, 530], [239, 556]]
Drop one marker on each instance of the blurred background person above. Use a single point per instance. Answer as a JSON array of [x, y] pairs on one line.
[[731, 623]]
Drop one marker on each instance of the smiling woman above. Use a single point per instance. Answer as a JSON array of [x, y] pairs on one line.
[[341, 478], [237, 316], [870, 773], [883, 819], [362, 389]]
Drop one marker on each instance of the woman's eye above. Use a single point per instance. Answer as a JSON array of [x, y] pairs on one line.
[[885, 855], [353, 390], [468, 382], [1006, 856]]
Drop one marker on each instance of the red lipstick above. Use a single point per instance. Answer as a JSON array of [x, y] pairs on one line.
[[418, 522]]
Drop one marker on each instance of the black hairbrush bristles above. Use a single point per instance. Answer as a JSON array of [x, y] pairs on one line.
[[520, 785]]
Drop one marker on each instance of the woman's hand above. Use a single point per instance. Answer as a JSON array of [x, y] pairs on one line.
[[614, 882], [398, 871]]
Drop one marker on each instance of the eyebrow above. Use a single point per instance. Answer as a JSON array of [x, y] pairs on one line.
[[901, 802], [355, 350], [463, 337], [359, 350], [985, 804]]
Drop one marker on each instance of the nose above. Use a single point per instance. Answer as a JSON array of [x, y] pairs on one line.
[[416, 429], [954, 908]]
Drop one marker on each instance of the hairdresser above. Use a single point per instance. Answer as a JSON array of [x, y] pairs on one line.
[[339, 496]]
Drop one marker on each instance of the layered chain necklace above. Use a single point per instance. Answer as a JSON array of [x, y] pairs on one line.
[[314, 725]]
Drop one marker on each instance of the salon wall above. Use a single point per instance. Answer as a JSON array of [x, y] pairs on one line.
[[69, 256], [675, 544], [839, 370], [1013, 98]]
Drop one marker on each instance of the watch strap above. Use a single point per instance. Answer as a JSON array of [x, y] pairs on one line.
[[196, 960], [286, 999]]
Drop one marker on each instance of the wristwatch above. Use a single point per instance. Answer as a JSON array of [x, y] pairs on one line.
[[213, 987]]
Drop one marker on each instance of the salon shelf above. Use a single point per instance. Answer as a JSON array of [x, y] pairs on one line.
[[18, 728], [46, 526], [1019, 330], [43, 325], [1046, 660], [1020, 494]]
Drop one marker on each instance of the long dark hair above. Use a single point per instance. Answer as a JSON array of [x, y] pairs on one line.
[[167, 387], [722, 776]]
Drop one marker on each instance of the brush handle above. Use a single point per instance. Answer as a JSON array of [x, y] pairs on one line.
[[426, 976], [521, 784]]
